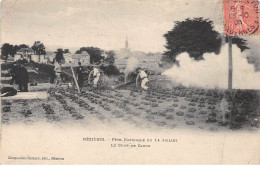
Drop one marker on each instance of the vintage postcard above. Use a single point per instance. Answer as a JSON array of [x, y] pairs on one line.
[[130, 82]]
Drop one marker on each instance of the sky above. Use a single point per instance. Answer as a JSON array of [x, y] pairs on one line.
[[100, 23]]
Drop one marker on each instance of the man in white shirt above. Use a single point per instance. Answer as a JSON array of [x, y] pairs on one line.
[[58, 71], [96, 75], [143, 76]]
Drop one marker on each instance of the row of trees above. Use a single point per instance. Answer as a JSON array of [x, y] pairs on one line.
[[96, 54], [196, 37], [10, 50], [38, 48]]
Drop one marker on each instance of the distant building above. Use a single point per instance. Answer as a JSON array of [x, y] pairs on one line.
[[29, 55], [126, 43], [121, 64], [24, 53], [124, 52], [39, 58], [150, 60], [84, 58], [145, 60], [50, 56], [122, 57]]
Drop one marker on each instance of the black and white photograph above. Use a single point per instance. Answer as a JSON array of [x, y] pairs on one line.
[[130, 82]]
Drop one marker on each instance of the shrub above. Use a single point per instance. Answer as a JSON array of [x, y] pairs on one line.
[[110, 70]]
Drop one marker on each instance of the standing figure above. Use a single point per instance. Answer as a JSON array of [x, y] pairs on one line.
[[225, 111], [79, 72], [143, 76], [13, 73], [96, 76], [22, 78], [57, 70], [52, 76]]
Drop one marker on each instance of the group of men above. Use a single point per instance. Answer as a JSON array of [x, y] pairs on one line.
[[20, 76], [95, 73], [80, 72]]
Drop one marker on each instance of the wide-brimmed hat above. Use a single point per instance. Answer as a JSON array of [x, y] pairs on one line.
[[138, 68]]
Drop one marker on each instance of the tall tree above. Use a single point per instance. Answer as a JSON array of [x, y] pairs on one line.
[[66, 51], [110, 57], [15, 49], [194, 36], [6, 50], [59, 55], [38, 48], [94, 52]]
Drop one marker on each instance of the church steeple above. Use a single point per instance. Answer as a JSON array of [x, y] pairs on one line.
[[126, 43]]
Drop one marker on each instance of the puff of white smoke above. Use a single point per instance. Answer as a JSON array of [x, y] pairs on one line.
[[254, 52], [212, 72], [132, 64]]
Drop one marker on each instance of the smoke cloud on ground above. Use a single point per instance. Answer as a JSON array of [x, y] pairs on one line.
[[212, 72], [132, 64]]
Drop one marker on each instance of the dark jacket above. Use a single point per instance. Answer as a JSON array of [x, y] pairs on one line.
[[22, 76], [8, 91], [13, 73], [79, 72], [13, 70]]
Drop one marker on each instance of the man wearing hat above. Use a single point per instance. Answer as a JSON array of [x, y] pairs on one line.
[[96, 76], [57, 70], [79, 72], [13, 73], [143, 76], [22, 77]]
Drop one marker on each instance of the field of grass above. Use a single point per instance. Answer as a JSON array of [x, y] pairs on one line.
[[181, 107]]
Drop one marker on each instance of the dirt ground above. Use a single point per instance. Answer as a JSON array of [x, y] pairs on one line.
[[178, 107]]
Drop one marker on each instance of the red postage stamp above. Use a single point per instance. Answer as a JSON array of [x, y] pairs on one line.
[[241, 17]]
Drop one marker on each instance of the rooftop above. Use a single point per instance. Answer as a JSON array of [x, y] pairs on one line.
[[24, 50], [85, 53]]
